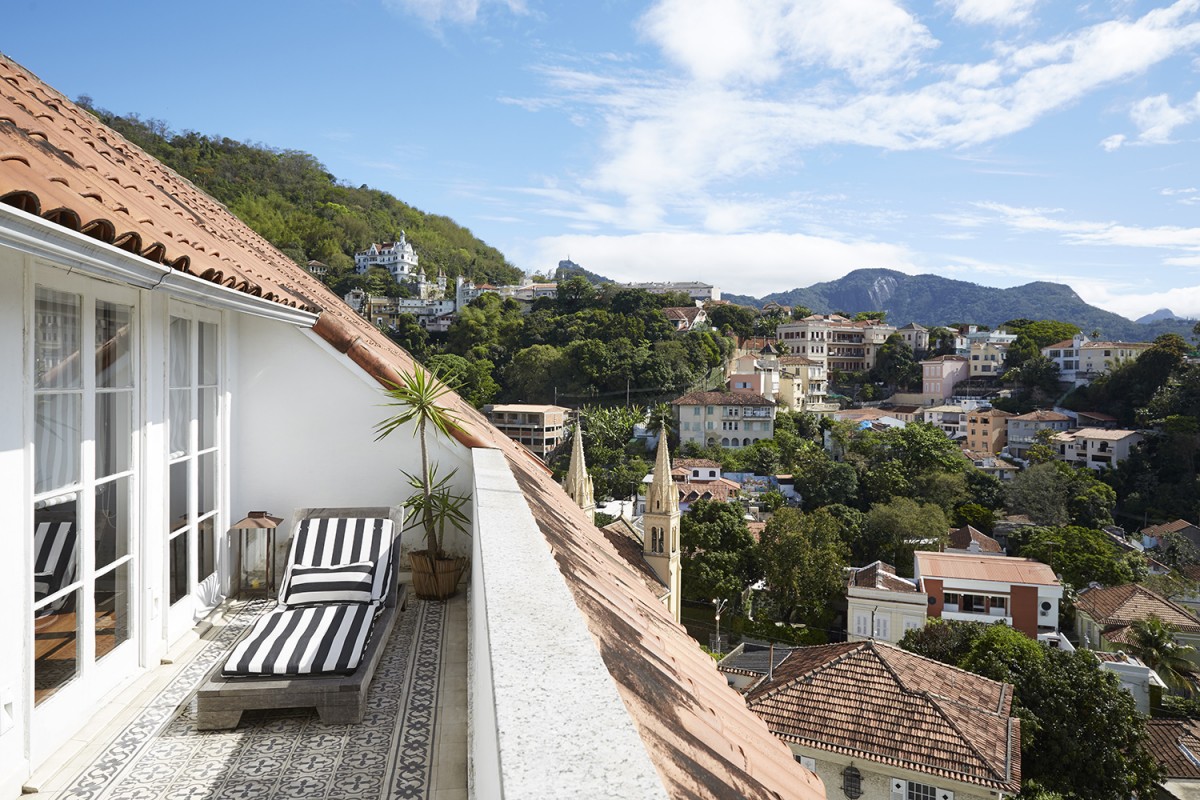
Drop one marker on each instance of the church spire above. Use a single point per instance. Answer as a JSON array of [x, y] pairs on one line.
[[660, 526], [662, 497], [578, 483]]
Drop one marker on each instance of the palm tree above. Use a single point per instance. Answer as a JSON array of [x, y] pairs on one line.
[[417, 395], [1153, 641]]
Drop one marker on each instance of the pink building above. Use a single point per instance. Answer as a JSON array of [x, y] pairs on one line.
[[939, 375]]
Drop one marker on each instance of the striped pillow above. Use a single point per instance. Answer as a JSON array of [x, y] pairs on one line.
[[340, 583]]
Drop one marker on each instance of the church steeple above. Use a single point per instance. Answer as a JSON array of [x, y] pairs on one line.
[[577, 482], [660, 526]]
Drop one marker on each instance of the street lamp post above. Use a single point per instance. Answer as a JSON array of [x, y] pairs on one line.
[[719, 606]]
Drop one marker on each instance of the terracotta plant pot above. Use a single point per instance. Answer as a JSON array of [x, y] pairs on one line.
[[436, 578]]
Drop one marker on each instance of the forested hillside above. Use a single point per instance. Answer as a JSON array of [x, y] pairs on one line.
[[289, 198], [934, 300]]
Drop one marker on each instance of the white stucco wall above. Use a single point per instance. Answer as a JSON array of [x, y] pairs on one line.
[[303, 420], [877, 779], [15, 518]]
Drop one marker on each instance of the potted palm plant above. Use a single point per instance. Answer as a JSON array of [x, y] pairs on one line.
[[433, 504]]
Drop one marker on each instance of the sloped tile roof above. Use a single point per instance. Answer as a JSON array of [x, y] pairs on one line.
[[877, 702], [60, 163], [1043, 415], [1175, 745], [625, 539], [754, 659], [879, 575], [1168, 527], [961, 539], [696, 730], [696, 463], [722, 399], [1124, 605]]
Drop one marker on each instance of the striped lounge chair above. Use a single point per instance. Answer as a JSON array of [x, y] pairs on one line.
[[53, 562], [320, 646]]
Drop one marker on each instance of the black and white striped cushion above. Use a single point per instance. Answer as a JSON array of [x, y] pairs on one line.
[[328, 542], [308, 640], [341, 583], [53, 558]]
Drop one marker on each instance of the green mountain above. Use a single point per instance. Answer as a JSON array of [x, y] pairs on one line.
[[933, 300], [289, 198]]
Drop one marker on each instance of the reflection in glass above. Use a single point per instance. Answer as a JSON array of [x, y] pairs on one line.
[[113, 368], [114, 432], [56, 441], [181, 353], [177, 511], [113, 623], [208, 354], [55, 553], [206, 548], [177, 575], [207, 501], [57, 331], [207, 418], [179, 419], [56, 649], [112, 521]]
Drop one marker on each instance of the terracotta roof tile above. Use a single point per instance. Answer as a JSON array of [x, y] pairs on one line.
[[874, 701], [1168, 527], [696, 730], [1175, 745], [961, 539], [622, 536], [722, 399], [879, 575], [1043, 415], [1120, 606]]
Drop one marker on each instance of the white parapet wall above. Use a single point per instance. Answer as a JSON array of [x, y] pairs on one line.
[[546, 718]]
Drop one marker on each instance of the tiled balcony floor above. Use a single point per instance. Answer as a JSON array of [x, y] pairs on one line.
[[411, 744]]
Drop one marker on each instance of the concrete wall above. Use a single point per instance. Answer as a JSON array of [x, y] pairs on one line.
[[877, 779]]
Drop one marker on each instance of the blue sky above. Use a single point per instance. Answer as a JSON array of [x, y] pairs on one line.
[[758, 145]]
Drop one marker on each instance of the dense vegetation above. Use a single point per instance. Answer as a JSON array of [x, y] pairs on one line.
[[289, 198], [933, 300]]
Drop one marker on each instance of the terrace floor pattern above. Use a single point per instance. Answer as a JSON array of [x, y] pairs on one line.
[[411, 744]]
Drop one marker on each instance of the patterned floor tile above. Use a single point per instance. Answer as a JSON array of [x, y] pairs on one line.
[[287, 754]]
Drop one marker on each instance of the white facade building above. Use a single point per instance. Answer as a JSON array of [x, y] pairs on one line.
[[396, 257]]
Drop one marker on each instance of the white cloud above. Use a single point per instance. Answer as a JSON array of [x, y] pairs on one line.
[[1133, 301], [456, 11], [756, 40], [1113, 142], [1095, 233], [992, 12], [749, 263], [669, 140], [1157, 119]]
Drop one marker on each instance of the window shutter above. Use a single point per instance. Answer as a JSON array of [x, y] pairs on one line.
[[899, 789]]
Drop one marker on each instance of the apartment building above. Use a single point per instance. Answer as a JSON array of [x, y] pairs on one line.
[[987, 429], [940, 375], [541, 428], [840, 343], [1095, 448], [1023, 429]]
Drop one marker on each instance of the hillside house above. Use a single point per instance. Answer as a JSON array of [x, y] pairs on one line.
[[987, 359], [915, 336], [987, 430], [1095, 448], [976, 587], [940, 375], [686, 318], [730, 419], [1104, 614], [162, 366], [1023, 429], [1081, 360], [398, 258], [879, 722], [882, 605]]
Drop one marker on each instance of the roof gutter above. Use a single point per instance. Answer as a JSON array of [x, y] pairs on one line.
[[80, 253]]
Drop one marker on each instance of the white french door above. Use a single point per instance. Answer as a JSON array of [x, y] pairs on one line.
[[193, 532], [85, 379]]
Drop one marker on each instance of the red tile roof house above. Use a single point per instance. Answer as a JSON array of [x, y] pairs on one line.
[[879, 722], [1104, 614], [134, 303]]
